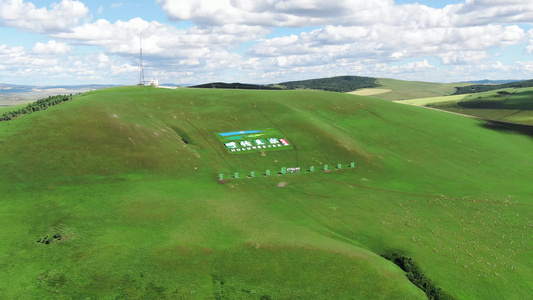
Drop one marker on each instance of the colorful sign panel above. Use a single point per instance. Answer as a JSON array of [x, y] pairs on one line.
[[254, 140]]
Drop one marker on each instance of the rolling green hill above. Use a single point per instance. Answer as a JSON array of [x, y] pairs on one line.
[[479, 88], [340, 84], [113, 195], [393, 89], [505, 105]]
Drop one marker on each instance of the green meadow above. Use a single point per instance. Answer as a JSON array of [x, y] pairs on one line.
[[114, 195], [4, 109], [506, 105], [402, 89]]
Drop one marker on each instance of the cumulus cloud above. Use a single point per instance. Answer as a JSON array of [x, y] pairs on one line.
[[125, 68], [340, 37], [6, 50], [302, 13], [463, 57], [25, 16], [529, 48], [482, 12], [162, 40], [51, 48], [265, 12], [452, 45]]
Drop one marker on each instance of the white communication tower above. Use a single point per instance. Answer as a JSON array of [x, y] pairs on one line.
[[141, 75]]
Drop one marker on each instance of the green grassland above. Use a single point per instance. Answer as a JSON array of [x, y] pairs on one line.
[[505, 105], [433, 100], [4, 109], [401, 89], [131, 211]]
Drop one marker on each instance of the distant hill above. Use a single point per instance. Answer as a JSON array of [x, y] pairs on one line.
[[10, 88], [394, 89], [488, 81], [12, 94], [333, 84], [235, 85], [478, 88], [13, 88]]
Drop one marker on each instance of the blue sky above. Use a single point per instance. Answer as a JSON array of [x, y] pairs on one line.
[[263, 41]]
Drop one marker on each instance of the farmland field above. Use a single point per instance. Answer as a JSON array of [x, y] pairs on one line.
[[114, 195]]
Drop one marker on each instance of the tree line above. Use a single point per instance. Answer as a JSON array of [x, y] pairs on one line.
[[478, 88], [38, 105], [333, 84], [340, 84]]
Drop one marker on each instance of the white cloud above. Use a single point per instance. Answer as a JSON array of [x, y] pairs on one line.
[[125, 68], [103, 60], [529, 48], [483, 12], [363, 37], [25, 16], [161, 40], [463, 57], [11, 51], [268, 12], [51, 48], [302, 13], [100, 9], [453, 45]]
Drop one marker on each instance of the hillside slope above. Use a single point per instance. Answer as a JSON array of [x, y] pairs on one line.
[[514, 106], [114, 195], [393, 89]]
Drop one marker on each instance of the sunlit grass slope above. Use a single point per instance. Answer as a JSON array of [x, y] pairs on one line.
[[402, 90], [506, 105], [122, 183]]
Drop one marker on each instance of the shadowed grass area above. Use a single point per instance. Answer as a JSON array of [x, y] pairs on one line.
[[141, 215]]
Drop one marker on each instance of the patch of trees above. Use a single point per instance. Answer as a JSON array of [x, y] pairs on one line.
[[478, 88], [333, 84], [417, 277], [38, 105]]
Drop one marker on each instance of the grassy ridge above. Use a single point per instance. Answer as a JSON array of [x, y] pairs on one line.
[[479, 88], [401, 90], [506, 105], [141, 215], [333, 84]]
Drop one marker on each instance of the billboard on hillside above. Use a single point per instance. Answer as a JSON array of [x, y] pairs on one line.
[[250, 141]]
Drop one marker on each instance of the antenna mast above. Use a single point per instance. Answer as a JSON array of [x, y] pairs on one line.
[[141, 75]]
